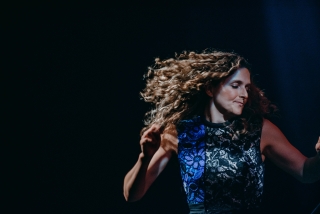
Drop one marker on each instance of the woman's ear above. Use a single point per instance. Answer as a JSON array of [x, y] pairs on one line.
[[209, 90]]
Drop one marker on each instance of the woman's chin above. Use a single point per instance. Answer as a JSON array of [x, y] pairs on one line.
[[237, 113]]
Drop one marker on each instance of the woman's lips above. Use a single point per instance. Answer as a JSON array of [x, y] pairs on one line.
[[238, 102]]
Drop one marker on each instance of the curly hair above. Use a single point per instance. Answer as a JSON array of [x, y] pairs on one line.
[[176, 88]]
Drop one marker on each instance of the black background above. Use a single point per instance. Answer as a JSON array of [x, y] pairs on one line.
[[73, 75]]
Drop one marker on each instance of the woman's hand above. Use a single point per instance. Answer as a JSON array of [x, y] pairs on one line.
[[157, 146], [150, 140], [318, 146]]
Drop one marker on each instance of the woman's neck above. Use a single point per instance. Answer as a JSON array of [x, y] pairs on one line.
[[213, 115]]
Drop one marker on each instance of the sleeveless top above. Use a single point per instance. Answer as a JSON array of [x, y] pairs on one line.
[[219, 174]]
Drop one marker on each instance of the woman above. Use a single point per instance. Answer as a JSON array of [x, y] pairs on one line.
[[208, 112]]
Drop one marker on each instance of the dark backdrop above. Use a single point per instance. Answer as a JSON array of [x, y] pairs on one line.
[[73, 75]]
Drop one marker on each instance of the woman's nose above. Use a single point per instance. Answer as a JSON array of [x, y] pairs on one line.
[[244, 93]]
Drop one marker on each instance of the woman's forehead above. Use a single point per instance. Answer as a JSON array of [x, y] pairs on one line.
[[241, 75]]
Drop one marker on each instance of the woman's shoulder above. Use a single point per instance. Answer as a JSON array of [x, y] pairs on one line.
[[195, 119], [267, 125], [188, 122], [190, 129]]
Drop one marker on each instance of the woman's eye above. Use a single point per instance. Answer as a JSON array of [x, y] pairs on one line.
[[234, 86]]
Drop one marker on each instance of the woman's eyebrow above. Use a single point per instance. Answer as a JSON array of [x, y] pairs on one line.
[[239, 81]]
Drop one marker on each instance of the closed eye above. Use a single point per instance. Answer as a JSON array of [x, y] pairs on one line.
[[237, 86]]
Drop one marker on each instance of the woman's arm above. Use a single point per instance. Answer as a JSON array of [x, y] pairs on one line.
[[156, 151], [311, 169], [277, 148]]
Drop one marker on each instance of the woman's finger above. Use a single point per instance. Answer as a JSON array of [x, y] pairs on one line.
[[156, 128], [318, 145]]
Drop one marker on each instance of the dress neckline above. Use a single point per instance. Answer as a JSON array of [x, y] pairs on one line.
[[214, 125]]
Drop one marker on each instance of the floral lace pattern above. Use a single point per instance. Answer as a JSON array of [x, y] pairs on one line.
[[191, 155], [222, 173]]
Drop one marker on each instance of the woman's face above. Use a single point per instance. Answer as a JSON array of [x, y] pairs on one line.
[[230, 96]]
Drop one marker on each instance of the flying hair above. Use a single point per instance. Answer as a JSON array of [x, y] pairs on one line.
[[175, 88]]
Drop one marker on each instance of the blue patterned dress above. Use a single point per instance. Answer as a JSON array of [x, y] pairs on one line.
[[220, 174]]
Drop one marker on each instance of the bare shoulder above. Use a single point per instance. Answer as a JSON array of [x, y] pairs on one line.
[[271, 134], [268, 126], [272, 137], [266, 134]]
